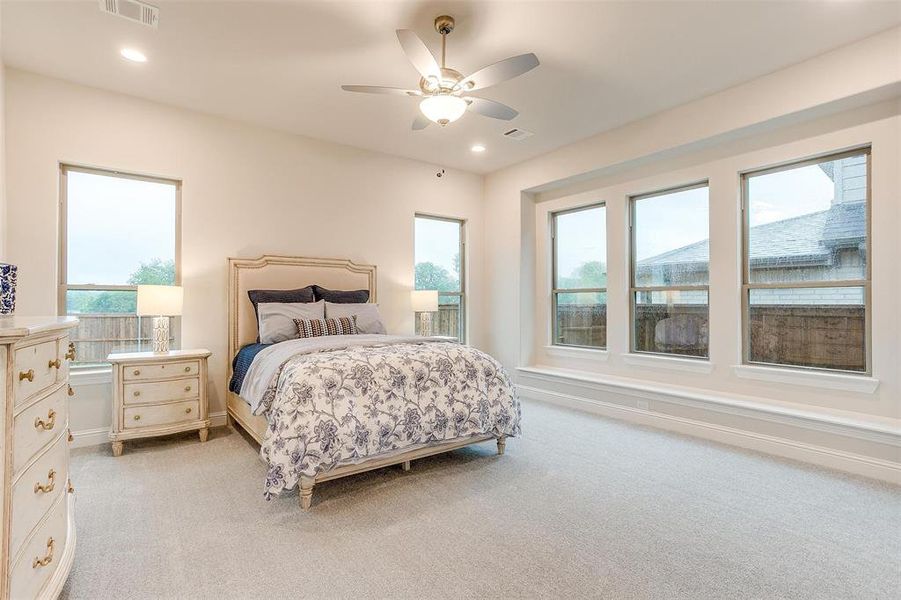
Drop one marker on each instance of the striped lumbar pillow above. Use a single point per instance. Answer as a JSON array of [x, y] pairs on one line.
[[307, 328]]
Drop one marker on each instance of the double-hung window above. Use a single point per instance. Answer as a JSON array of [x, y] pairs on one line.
[[806, 292], [116, 231], [439, 264], [579, 274], [669, 271]]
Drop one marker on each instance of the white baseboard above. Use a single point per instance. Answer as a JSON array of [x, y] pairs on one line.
[[866, 466], [99, 436]]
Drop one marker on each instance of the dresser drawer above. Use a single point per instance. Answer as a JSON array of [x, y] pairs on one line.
[[37, 425], [41, 554], [37, 488], [136, 417], [161, 391], [36, 368], [143, 372]]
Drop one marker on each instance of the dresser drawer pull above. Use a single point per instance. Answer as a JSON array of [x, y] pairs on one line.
[[187, 369], [54, 364], [137, 417], [29, 375], [43, 562], [71, 392], [136, 372], [188, 410], [48, 487], [187, 388], [70, 354], [137, 393], [47, 425]]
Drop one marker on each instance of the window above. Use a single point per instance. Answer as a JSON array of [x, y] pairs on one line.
[[116, 231], [806, 264], [670, 276], [439, 265], [579, 247]]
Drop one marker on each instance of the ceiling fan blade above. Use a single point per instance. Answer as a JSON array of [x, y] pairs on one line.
[[418, 54], [377, 89], [498, 72], [420, 122], [490, 108]]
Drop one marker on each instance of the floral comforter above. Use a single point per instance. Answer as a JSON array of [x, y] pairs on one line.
[[363, 396]]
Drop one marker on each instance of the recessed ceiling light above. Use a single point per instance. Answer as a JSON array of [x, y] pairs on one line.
[[133, 55], [478, 148]]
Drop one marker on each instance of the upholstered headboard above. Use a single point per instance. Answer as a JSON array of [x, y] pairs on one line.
[[284, 273]]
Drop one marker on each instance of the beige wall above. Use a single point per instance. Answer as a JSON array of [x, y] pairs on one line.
[[246, 191], [795, 113]]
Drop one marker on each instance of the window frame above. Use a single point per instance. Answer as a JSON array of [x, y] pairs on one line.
[[63, 286], [633, 263], [555, 291], [462, 251], [866, 283]]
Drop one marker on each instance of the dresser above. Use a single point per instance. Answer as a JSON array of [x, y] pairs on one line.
[[158, 394], [38, 529]]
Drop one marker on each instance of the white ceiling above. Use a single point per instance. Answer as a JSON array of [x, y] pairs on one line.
[[280, 64]]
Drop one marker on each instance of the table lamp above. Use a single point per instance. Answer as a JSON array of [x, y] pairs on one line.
[[160, 302], [425, 302]]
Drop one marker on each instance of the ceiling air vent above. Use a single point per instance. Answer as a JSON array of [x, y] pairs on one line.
[[518, 134], [133, 10]]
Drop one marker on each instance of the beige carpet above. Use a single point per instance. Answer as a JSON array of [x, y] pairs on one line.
[[579, 507]]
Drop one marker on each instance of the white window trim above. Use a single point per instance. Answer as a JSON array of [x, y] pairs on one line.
[[863, 384], [672, 363], [577, 352]]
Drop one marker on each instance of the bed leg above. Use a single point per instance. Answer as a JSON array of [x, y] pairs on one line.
[[405, 465], [501, 445], [306, 492]]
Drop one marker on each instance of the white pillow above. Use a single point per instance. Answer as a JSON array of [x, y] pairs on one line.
[[277, 319], [368, 318]]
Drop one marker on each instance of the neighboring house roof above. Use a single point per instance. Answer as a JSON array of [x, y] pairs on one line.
[[809, 239]]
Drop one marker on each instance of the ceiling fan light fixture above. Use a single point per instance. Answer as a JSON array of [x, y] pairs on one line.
[[443, 108]]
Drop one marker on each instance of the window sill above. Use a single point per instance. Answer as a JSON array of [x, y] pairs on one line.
[[91, 376], [654, 361], [863, 384], [592, 354]]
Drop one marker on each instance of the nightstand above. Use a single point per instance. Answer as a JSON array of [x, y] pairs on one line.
[[158, 394]]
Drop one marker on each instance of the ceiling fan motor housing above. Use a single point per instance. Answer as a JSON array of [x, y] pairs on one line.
[[449, 78]]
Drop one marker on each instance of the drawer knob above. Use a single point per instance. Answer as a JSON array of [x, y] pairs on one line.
[[71, 392], [70, 354], [187, 388], [187, 369], [48, 487], [137, 417], [136, 372], [188, 410], [47, 425], [54, 364], [137, 392], [29, 375], [43, 562]]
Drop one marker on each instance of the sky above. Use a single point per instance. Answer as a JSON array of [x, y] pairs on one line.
[[786, 194], [114, 224], [437, 241], [581, 238]]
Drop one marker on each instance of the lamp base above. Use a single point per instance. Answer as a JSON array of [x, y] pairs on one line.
[[160, 335], [425, 324]]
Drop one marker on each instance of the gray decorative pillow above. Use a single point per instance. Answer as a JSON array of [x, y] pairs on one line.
[[276, 323], [369, 320], [341, 296], [304, 294]]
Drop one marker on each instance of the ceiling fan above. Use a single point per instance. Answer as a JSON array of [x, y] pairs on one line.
[[442, 89]]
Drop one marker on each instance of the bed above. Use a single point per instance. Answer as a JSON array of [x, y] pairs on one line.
[[330, 407]]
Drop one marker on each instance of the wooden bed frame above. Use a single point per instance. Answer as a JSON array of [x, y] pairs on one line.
[[291, 272]]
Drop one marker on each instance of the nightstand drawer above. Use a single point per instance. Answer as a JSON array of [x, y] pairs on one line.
[[136, 417], [143, 372], [36, 368], [35, 491], [36, 426], [161, 391]]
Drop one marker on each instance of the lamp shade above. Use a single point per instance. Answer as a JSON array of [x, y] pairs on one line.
[[424, 300], [160, 300]]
